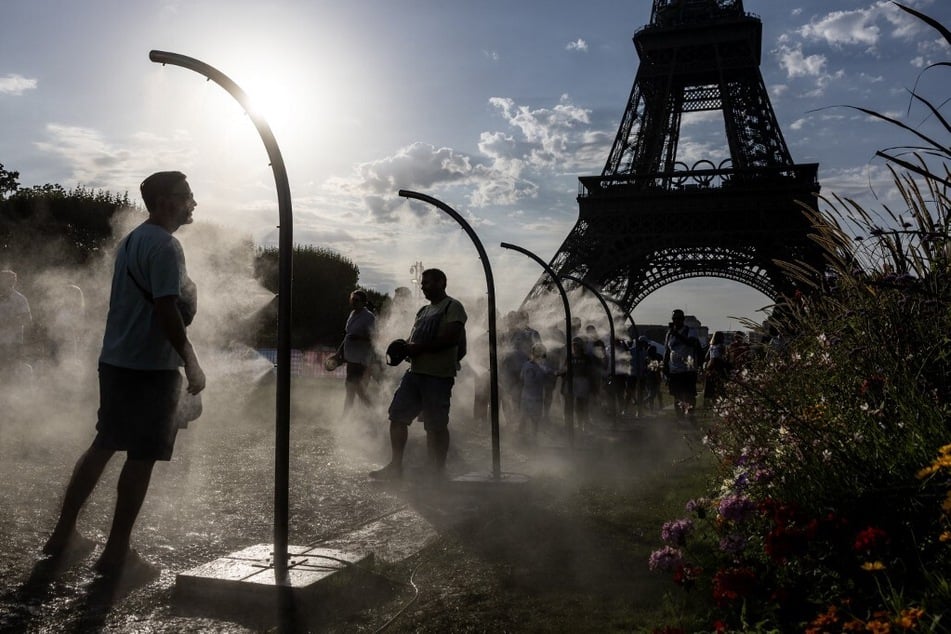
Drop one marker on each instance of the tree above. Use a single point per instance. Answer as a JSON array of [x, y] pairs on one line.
[[9, 182], [48, 225], [323, 281]]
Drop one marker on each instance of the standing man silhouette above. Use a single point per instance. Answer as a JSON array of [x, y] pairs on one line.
[[144, 345], [426, 388]]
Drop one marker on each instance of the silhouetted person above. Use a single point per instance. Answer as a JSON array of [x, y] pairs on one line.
[[144, 345], [358, 348], [425, 391], [68, 323], [682, 360], [583, 368], [534, 376], [716, 370], [15, 317]]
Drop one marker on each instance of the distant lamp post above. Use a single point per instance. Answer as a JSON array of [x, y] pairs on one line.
[[417, 272]]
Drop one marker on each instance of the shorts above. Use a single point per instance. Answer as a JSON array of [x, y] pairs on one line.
[[355, 372], [424, 396], [683, 383], [137, 411]]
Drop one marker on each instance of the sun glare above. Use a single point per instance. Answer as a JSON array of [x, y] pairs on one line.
[[269, 98]]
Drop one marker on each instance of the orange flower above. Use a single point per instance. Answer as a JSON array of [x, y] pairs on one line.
[[878, 627], [871, 566], [829, 617], [909, 617]]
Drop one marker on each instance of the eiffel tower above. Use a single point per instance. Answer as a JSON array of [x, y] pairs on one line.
[[650, 219]]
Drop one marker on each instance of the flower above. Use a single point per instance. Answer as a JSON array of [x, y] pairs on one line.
[[676, 531], [783, 542], [665, 558], [698, 506], [735, 508], [731, 584], [871, 566], [909, 617], [686, 575], [824, 620], [870, 539], [733, 543]]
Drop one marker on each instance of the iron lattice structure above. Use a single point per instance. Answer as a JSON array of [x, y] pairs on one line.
[[649, 219]]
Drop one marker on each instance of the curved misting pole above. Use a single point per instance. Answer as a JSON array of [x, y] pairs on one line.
[[569, 366], [285, 278], [607, 311], [493, 350], [625, 312]]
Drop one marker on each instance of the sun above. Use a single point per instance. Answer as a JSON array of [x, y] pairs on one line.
[[269, 98]]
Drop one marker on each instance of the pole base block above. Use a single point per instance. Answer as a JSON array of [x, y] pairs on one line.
[[246, 579]]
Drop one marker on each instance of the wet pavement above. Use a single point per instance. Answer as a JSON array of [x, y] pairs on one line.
[[213, 498]]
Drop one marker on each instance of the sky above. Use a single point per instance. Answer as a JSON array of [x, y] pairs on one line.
[[495, 107]]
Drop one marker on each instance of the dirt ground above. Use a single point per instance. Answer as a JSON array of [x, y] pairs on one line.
[[564, 552]]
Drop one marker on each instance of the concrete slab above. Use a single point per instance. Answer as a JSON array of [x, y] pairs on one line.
[[246, 578], [488, 479], [391, 539]]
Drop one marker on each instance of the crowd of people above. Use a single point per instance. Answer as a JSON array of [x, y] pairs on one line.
[[610, 381]]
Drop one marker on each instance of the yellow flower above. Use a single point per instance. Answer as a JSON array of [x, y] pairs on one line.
[[945, 536], [869, 566]]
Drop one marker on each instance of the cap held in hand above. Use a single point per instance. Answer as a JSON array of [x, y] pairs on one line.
[[396, 352]]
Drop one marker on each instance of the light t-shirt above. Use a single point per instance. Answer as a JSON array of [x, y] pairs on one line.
[[431, 322], [133, 337], [14, 314], [360, 324]]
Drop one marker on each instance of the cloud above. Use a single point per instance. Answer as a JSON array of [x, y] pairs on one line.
[[861, 27], [796, 64], [577, 45], [97, 162], [547, 132], [536, 144], [528, 163], [492, 56], [845, 27], [16, 85]]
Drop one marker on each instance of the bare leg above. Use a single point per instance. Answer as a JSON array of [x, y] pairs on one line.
[[361, 391], [437, 444], [348, 399], [399, 434], [132, 487], [85, 476]]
